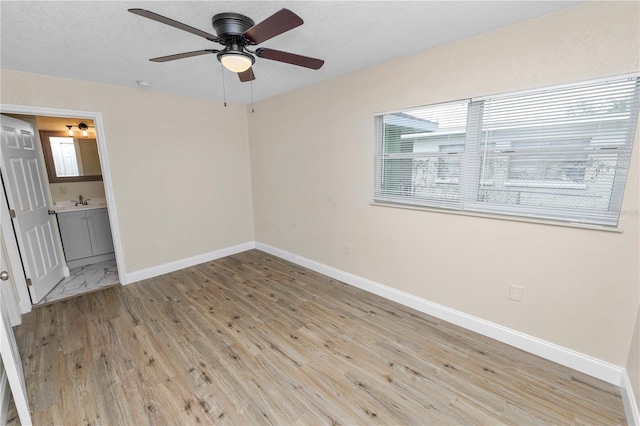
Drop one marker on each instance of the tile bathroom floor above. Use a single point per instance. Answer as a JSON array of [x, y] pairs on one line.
[[84, 279]]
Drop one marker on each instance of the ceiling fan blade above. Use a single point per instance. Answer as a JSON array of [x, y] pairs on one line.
[[290, 58], [247, 75], [183, 55], [278, 23], [175, 24]]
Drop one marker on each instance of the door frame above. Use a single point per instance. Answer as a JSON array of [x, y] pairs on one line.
[[12, 378], [13, 258], [106, 178]]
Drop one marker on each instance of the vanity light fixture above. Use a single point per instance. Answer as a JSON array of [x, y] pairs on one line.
[[83, 127]]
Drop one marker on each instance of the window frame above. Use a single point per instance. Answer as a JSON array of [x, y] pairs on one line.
[[471, 186], [385, 158]]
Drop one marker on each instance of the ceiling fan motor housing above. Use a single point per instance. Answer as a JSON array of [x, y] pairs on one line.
[[230, 26]]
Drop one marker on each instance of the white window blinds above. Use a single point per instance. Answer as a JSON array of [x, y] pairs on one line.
[[419, 154], [558, 153]]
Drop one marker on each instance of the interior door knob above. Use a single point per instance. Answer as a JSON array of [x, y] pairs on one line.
[[4, 275]]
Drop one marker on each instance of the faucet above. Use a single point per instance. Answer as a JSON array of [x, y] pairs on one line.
[[81, 201]]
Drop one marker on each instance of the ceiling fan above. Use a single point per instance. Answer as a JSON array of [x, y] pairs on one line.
[[236, 33]]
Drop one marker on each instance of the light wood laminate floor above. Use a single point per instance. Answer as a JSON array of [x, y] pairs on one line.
[[251, 339]]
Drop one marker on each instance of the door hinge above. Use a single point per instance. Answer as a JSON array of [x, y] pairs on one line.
[[12, 214], [29, 283]]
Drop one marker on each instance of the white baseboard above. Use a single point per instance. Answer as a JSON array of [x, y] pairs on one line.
[[155, 271], [5, 393], [628, 398], [594, 367]]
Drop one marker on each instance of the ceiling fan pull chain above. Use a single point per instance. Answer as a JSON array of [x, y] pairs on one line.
[[224, 91], [252, 110]]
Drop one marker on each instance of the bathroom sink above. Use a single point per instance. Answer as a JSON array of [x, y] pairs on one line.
[[67, 206]]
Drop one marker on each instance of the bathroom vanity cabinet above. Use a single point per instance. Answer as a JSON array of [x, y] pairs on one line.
[[86, 236]]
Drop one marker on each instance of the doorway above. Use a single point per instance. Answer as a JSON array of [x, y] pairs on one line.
[[80, 273]]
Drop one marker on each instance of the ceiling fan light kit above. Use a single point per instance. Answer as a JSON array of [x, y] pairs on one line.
[[235, 60], [230, 27], [235, 32]]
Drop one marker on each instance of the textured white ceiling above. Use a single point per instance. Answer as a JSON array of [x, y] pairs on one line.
[[100, 41]]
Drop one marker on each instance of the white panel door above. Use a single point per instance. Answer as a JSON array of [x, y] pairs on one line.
[[9, 351], [25, 184]]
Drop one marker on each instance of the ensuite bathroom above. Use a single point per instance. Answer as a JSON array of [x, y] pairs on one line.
[[69, 151]]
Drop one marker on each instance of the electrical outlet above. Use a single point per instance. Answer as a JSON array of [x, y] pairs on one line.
[[186, 237], [155, 243], [347, 248], [515, 293], [281, 230], [63, 189]]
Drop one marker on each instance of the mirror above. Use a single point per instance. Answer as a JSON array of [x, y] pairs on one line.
[[70, 159]]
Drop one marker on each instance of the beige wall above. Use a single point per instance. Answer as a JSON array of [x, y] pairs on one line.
[[312, 172], [179, 165]]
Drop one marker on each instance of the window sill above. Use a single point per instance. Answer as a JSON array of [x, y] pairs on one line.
[[499, 217]]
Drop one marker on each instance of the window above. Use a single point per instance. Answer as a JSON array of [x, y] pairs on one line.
[[419, 155], [558, 153]]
